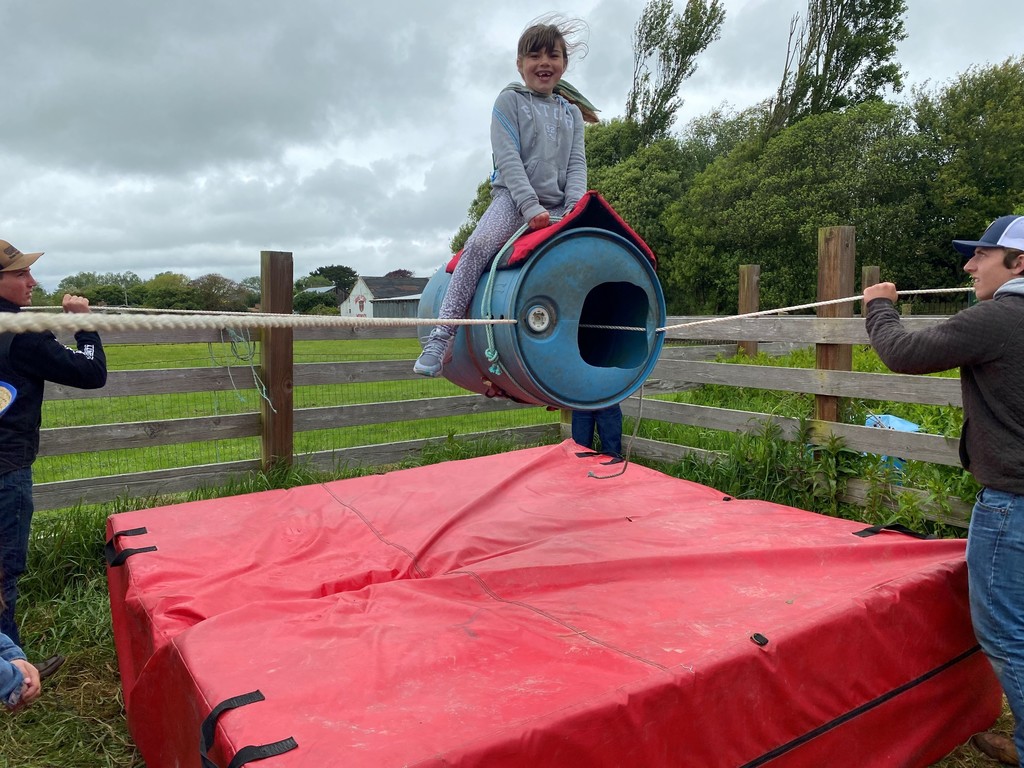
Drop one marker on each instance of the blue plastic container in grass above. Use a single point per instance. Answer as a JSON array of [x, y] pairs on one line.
[[578, 278], [888, 421]]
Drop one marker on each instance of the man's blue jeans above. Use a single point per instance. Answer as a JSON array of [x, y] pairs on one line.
[[15, 521], [609, 429], [995, 567]]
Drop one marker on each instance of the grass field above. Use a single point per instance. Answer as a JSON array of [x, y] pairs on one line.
[[79, 722], [245, 399]]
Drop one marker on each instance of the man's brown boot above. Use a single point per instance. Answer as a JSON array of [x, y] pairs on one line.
[[49, 666], [996, 746]]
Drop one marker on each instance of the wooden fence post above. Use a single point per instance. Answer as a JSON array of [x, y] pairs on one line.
[[836, 263], [564, 422], [868, 276], [276, 350], [750, 300]]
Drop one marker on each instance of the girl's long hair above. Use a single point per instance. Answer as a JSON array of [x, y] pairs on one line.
[[547, 31]]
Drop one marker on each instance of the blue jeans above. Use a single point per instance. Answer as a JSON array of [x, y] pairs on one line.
[[609, 429], [995, 568], [15, 521]]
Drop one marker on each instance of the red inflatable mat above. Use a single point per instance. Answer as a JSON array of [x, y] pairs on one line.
[[511, 611]]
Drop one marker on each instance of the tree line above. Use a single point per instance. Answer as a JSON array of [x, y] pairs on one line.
[[166, 290], [831, 146], [211, 293]]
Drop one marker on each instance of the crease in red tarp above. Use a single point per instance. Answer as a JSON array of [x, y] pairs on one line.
[[591, 211]]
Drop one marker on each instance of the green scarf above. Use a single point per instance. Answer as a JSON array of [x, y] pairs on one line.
[[570, 94]]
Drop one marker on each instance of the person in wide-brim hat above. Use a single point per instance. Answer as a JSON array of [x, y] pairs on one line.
[[11, 259], [28, 360]]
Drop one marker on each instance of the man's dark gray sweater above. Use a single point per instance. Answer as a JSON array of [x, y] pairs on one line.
[[986, 342]]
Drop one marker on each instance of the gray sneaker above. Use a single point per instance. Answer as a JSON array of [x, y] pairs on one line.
[[436, 352]]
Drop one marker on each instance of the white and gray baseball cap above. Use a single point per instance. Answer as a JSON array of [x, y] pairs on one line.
[[1004, 232]]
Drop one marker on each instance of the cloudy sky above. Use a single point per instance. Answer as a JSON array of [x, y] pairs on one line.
[[188, 136]]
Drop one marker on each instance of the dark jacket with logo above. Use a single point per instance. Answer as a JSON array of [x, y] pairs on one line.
[[27, 361], [986, 342]]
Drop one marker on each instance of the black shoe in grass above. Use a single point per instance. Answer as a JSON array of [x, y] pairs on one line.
[[49, 666]]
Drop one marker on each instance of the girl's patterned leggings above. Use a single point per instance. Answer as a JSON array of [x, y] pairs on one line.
[[500, 221]]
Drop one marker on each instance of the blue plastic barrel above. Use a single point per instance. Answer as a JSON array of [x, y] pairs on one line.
[[580, 277]]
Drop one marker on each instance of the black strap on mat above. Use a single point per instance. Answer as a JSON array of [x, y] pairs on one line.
[[262, 752], [858, 711], [897, 527], [246, 754], [116, 559]]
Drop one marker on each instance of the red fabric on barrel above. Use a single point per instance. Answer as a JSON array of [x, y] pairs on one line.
[[591, 211]]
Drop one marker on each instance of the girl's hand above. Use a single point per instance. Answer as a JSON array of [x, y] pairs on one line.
[[540, 221], [30, 688]]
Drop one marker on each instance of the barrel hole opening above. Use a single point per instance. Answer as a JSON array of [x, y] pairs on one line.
[[621, 304]]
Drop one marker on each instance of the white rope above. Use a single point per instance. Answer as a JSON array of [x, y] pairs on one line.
[[96, 321], [188, 319], [765, 312], [806, 306]]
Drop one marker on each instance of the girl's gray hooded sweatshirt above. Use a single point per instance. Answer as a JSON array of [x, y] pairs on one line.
[[537, 142]]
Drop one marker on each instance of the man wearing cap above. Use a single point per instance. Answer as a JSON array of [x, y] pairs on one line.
[[986, 341], [27, 361]]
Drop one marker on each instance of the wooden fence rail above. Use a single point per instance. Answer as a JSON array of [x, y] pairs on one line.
[[679, 368]]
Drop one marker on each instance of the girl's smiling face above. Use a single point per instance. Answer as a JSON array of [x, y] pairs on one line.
[[541, 70]]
